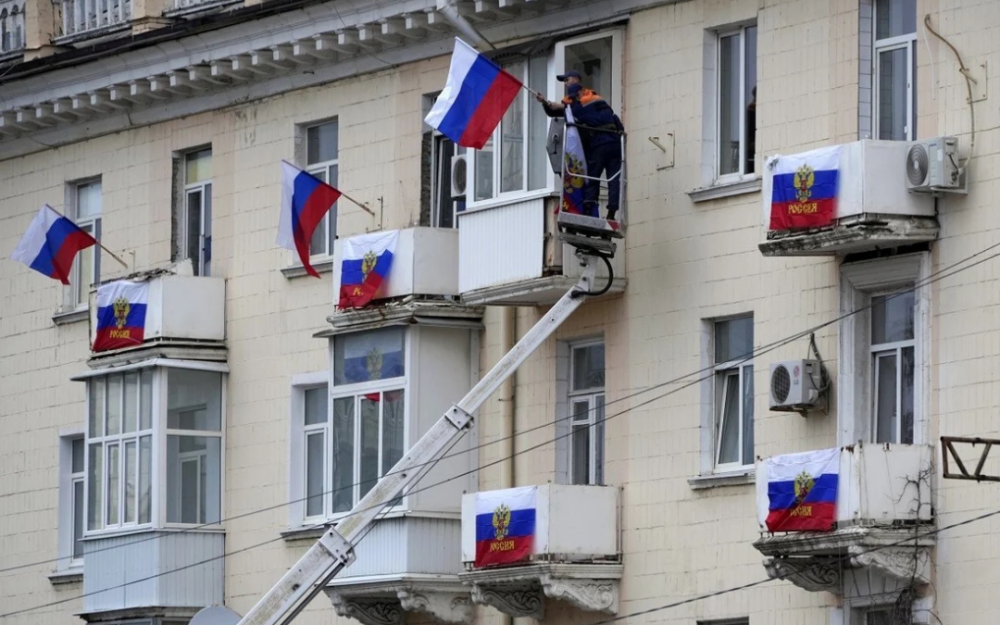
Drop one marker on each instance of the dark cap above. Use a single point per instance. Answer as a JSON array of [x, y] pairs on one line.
[[573, 90], [569, 74]]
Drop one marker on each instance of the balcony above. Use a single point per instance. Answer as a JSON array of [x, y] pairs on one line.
[[11, 28], [874, 209], [86, 19], [509, 255], [572, 554], [883, 498]]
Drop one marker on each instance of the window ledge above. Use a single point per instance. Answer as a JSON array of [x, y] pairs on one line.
[[727, 189], [734, 478], [305, 532], [69, 576], [296, 271], [70, 316]]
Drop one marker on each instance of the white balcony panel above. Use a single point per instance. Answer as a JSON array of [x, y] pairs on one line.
[[406, 546], [111, 563], [425, 263], [877, 485], [96, 17], [501, 245]]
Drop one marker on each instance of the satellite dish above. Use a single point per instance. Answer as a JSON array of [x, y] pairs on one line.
[[215, 615]]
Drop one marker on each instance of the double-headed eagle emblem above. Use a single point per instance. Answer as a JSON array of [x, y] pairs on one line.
[[501, 521], [803, 182], [803, 484], [121, 308], [368, 263]]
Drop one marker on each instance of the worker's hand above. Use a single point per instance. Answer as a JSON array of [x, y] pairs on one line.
[[540, 98]]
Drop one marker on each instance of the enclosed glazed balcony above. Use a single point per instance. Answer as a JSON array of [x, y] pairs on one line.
[[848, 199], [84, 19], [11, 28], [524, 546], [876, 543]]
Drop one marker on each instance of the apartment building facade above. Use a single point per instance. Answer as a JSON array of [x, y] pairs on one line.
[[142, 485]]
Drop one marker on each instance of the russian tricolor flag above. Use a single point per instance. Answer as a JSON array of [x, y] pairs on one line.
[[802, 491], [305, 200], [51, 243], [366, 261], [804, 189], [505, 525], [121, 314], [475, 97]]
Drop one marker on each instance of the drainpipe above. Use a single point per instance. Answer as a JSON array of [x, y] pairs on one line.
[[508, 338], [451, 13]]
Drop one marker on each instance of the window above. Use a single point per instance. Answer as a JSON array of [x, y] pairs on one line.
[[895, 69], [734, 398], [893, 348], [85, 209], [124, 432], [193, 223], [322, 161], [440, 201], [72, 507], [586, 401], [737, 89]]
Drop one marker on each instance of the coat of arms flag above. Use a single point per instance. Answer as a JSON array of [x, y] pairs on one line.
[[801, 491], [121, 314], [804, 189], [366, 261], [505, 525]]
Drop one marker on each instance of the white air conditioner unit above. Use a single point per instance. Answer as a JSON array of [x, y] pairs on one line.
[[932, 165], [459, 176], [795, 385]]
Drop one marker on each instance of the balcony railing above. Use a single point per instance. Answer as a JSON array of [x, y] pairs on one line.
[[93, 16], [11, 26]]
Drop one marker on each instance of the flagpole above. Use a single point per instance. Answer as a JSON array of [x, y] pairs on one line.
[[342, 194], [112, 254]]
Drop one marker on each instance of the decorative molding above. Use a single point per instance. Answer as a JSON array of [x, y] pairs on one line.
[[862, 233], [368, 611], [900, 564], [723, 190], [446, 607], [512, 600], [592, 596], [812, 574], [520, 590], [386, 602]]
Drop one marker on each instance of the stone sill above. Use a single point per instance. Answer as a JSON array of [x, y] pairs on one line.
[[735, 478], [296, 271], [202, 7], [72, 316], [726, 189], [69, 576]]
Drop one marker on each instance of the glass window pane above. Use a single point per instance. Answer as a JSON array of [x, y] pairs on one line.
[[369, 442], [96, 425], [314, 474], [885, 397], [892, 318], [512, 140], [750, 97], [113, 485], [892, 95], [342, 463], [131, 477], [317, 244], [194, 473], [728, 423], [593, 60], [733, 339], [730, 105], [146, 400], [895, 17], [580, 454], [581, 411], [145, 475], [484, 171], [194, 400], [748, 456], [538, 125], [206, 232], [95, 487], [367, 356], [198, 167], [193, 228], [88, 199], [77, 518], [599, 440], [77, 455], [588, 367], [315, 405], [114, 422], [444, 205], [906, 397], [84, 274], [392, 429], [321, 143], [131, 416]]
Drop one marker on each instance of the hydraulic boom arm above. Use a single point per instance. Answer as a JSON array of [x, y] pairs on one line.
[[334, 551]]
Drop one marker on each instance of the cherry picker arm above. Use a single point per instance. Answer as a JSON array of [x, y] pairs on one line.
[[334, 551]]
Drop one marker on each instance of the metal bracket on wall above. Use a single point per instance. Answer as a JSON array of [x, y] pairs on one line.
[[949, 455], [668, 150]]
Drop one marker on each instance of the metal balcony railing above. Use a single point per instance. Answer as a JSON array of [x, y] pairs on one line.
[[91, 16], [11, 25]]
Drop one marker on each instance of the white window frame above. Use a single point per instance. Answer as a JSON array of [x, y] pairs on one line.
[[859, 281], [894, 349], [204, 214], [77, 293], [736, 367], [556, 61], [299, 469], [594, 397], [68, 479], [907, 42], [440, 169], [741, 174], [322, 171]]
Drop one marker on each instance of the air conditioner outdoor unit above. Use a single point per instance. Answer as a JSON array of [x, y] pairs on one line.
[[795, 385], [459, 176], [932, 165]]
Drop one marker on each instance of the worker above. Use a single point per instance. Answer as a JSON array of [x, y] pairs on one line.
[[600, 132]]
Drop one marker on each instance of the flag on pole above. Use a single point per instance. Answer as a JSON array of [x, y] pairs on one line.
[[305, 200], [121, 314], [801, 491], [804, 189], [367, 259], [574, 167], [475, 97], [51, 243]]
